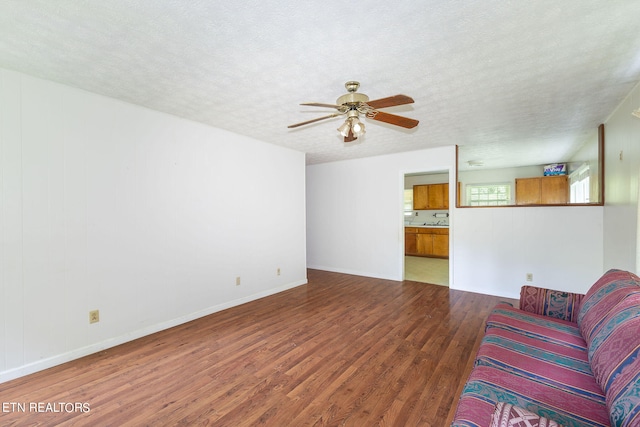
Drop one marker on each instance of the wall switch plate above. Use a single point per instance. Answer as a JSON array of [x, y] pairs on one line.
[[278, 271], [94, 316], [529, 277], [238, 281]]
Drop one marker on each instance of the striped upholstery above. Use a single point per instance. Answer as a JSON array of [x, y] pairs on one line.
[[584, 373], [488, 385], [558, 304], [603, 296], [506, 415], [536, 326], [546, 363], [609, 319], [614, 353], [550, 358]]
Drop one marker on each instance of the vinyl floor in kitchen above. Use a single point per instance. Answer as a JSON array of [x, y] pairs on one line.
[[427, 270]]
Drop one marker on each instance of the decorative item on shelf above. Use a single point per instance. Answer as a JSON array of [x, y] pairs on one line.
[[555, 169]]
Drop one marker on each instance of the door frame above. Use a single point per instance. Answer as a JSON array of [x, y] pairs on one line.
[[452, 198]]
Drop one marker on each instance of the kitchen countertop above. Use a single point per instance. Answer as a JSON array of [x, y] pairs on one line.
[[426, 225]]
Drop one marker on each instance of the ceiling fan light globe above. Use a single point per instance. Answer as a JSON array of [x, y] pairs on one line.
[[344, 129], [357, 127]]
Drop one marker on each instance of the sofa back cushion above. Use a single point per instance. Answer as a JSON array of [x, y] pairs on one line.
[[548, 302], [602, 297]]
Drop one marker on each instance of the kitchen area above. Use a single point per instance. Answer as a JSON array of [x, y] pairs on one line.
[[426, 228]]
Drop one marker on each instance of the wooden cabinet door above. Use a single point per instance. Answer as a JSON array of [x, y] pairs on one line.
[[445, 190], [410, 247], [420, 197], [433, 242], [554, 190], [441, 245], [528, 191], [436, 196], [546, 190], [424, 244], [431, 196]]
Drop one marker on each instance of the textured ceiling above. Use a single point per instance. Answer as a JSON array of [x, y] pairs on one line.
[[532, 78]]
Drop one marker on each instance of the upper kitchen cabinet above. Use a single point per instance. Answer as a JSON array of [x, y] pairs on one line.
[[545, 190], [420, 197], [430, 196]]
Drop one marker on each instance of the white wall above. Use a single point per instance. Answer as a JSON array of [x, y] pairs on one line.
[[435, 178], [495, 248], [355, 211], [354, 223], [622, 139], [147, 217]]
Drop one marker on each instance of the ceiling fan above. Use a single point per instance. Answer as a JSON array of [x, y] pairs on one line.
[[352, 104]]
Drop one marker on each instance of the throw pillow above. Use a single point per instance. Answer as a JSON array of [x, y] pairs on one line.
[[507, 415]]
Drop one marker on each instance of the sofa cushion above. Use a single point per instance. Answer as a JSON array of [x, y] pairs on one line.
[[488, 385], [546, 363], [537, 363], [544, 328], [604, 295], [557, 304], [506, 415]]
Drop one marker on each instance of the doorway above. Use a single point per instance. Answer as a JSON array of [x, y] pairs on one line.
[[426, 225]]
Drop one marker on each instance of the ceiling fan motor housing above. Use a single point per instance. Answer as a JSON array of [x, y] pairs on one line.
[[353, 98]]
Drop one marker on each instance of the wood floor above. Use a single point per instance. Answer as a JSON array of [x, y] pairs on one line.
[[342, 350]]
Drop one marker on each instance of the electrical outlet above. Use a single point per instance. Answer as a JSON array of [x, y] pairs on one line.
[[278, 271], [529, 277], [94, 316], [238, 281]]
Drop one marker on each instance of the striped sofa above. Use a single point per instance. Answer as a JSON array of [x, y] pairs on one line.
[[560, 359]]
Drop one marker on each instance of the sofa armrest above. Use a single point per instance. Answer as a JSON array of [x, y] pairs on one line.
[[548, 302]]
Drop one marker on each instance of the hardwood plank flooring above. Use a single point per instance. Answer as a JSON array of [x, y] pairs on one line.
[[340, 351]]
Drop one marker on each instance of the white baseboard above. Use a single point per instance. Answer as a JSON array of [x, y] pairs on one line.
[[59, 359], [353, 272]]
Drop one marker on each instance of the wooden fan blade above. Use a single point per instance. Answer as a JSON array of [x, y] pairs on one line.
[[351, 137], [314, 120], [393, 119], [319, 104], [390, 101]]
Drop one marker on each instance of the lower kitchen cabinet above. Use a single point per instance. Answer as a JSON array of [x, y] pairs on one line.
[[441, 245], [429, 242], [410, 243]]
